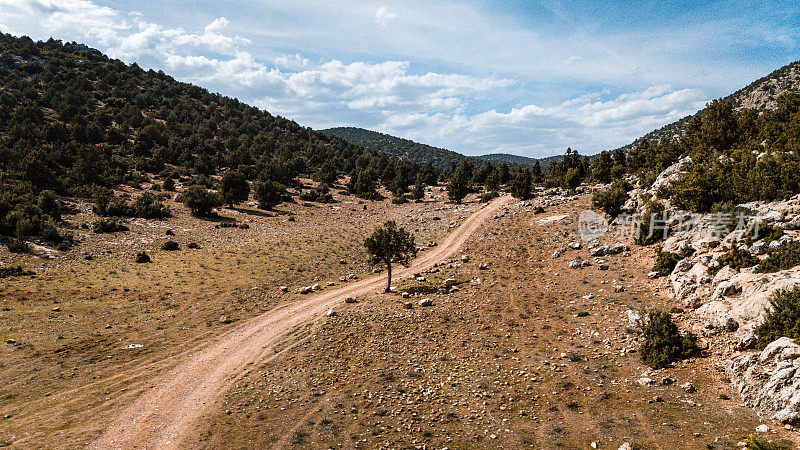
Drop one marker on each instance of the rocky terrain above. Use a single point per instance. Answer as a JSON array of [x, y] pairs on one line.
[[724, 304], [502, 346]]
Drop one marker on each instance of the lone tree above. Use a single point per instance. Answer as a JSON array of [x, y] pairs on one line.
[[234, 187], [389, 244]]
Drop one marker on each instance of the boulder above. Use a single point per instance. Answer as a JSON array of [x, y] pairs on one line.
[[724, 274], [780, 349], [425, 302]]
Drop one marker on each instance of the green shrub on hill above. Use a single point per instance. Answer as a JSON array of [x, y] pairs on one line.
[[782, 317], [786, 256], [663, 342]]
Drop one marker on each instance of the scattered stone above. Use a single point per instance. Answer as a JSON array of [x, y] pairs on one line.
[[626, 446], [762, 428], [483, 266], [666, 381], [224, 319], [408, 305], [653, 275], [349, 299], [689, 388], [331, 313], [425, 302], [284, 288], [579, 263]]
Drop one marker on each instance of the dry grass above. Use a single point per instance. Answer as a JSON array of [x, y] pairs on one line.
[[71, 323], [484, 361]]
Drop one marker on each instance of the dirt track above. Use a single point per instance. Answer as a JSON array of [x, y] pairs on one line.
[[168, 414]]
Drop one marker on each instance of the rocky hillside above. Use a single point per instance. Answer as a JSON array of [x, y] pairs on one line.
[[758, 95]]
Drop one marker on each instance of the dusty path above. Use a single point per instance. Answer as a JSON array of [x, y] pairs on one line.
[[168, 414]]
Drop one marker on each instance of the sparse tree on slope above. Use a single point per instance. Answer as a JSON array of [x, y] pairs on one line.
[[457, 186], [234, 187], [521, 187], [389, 244]]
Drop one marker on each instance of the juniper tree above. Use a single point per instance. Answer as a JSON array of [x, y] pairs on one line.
[[389, 244]]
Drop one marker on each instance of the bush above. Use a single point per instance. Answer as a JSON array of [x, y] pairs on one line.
[[200, 200], [15, 272], [666, 261], [782, 317], [142, 257], [736, 258], [170, 246], [169, 184], [489, 196], [663, 342], [321, 194], [145, 206], [653, 214], [786, 256], [108, 226], [767, 233], [269, 193], [17, 246], [612, 199]]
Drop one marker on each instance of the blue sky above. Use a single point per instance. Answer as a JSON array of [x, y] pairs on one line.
[[523, 77]]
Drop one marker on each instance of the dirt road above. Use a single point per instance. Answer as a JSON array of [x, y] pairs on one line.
[[168, 414]]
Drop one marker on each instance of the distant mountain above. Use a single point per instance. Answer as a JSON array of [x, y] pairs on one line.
[[404, 148], [759, 95], [511, 159]]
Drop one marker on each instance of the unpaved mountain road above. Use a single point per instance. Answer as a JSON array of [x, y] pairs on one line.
[[168, 414]]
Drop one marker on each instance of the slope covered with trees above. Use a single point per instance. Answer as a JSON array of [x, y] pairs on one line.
[[75, 122], [443, 160], [742, 148]]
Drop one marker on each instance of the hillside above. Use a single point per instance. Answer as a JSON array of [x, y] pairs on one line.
[[759, 95], [76, 123], [402, 148], [510, 159]]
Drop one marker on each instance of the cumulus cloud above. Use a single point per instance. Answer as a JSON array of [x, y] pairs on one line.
[[451, 110], [383, 16], [585, 123]]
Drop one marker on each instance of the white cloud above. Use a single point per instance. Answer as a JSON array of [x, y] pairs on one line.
[[383, 16], [453, 110], [536, 130]]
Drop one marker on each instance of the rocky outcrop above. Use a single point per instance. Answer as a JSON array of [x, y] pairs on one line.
[[770, 380]]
